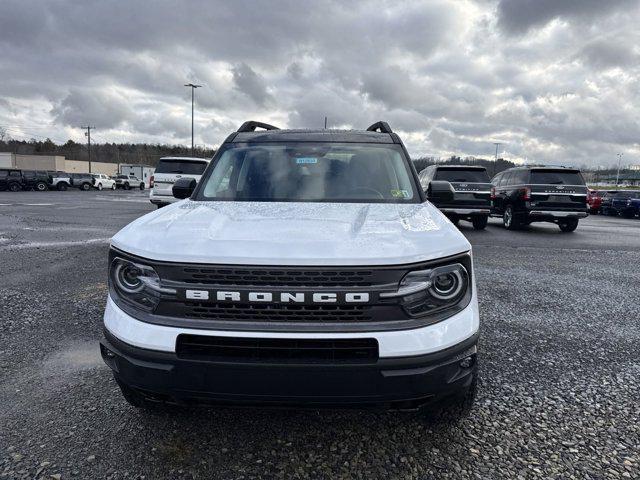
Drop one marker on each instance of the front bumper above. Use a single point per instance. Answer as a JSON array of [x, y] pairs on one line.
[[394, 383]]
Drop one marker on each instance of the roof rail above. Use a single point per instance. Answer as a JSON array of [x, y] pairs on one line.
[[251, 126], [382, 127]]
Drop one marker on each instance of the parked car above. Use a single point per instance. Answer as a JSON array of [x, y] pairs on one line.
[[305, 268], [11, 179], [633, 207], [523, 195], [60, 180], [619, 203], [18, 179], [170, 169], [128, 182], [471, 188], [83, 181], [100, 181]]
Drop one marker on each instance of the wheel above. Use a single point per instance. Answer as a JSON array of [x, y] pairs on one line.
[[62, 186], [479, 223], [86, 186], [568, 225], [14, 187], [113, 187], [127, 186], [142, 186], [41, 186], [509, 219], [99, 186], [159, 206]]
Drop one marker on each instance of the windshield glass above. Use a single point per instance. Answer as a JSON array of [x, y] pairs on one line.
[[304, 171], [462, 175], [556, 177], [188, 167]]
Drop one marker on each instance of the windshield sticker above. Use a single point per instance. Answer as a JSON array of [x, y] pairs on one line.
[[306, 160], [400, 194]]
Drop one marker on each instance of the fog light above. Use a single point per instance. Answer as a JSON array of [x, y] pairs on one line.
[[467, 362]]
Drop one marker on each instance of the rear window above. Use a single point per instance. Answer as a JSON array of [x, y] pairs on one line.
[[556, 177], [462, 175], [188, 167], [631, 194]]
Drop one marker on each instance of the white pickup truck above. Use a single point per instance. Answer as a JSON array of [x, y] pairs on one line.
[[306, 267]]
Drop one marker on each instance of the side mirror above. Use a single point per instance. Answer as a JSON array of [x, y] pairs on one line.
[[440, 191], [184, 187]]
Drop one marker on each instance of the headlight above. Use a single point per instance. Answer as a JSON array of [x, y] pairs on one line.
[[136, 284], [423, 292]]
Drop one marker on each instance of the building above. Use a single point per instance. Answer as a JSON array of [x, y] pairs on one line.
[[143, 172], [54, 163]]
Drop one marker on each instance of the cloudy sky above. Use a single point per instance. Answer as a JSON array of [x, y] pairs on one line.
[[552, 80]]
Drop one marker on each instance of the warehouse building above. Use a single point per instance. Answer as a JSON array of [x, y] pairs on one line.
[[54, 163]]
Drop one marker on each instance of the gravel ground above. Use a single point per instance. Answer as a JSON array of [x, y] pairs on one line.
[[559, 389]]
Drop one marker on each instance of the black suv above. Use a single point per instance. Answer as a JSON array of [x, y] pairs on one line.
[[471, 189], [16, 180], [523, 195]]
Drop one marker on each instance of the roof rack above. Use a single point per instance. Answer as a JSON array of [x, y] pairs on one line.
[[251, 126], [382, 127]]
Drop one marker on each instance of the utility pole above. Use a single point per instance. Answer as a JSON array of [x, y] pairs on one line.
[[495, 160], [618, 174], [193, 88], [325, 123], [88, 135]]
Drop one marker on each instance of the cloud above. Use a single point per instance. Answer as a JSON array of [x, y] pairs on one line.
[[250, 83], [518, 16], [554, 80]]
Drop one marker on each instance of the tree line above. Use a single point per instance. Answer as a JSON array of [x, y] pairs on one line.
[[137, 153]]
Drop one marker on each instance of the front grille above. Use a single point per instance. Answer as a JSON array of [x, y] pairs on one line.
[[277, 350], [269, 276], [277, 312]]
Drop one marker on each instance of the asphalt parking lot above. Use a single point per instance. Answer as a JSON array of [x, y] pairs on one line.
[[560, 373]]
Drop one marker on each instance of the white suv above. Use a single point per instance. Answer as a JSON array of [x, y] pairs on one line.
[[306, 267], [170, 169], [103, 181]]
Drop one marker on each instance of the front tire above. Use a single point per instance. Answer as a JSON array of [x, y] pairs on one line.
[[41, 186], [14, 187], [100, 186], [127, 186], [568, 225], [62, 186], [142, 186], [86, 186], [480, 223], [509, 219]]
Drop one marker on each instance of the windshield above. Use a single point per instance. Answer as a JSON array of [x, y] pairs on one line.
[[304, 171], [462, 175], [188, 167], [556, 177]]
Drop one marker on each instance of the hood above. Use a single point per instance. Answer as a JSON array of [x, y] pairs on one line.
[[279, 233]]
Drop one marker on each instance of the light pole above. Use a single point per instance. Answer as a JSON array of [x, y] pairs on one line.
[[193, 88], [618, 174], [495, 160]]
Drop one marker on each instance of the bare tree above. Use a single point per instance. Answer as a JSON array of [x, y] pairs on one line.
[[3, 134]]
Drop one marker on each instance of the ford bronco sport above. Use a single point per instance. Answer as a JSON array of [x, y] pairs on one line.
[[306, 267]]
